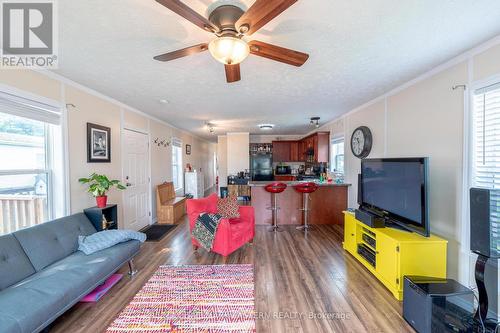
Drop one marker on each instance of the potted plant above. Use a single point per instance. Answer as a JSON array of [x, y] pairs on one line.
[[99, 185]]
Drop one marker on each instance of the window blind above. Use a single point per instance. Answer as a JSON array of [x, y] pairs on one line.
[[486, 135], [27, 108]]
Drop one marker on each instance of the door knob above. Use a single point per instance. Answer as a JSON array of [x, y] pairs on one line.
[[128, 184]]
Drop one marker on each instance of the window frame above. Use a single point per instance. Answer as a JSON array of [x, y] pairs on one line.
[[470, 136], [58, 204], [466, 270], [177, 146], [335, 141], [47, 170]]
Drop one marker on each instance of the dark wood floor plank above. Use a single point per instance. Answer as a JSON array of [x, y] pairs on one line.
[[295, 275]]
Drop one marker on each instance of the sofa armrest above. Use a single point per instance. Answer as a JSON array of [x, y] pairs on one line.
[[247, 214]]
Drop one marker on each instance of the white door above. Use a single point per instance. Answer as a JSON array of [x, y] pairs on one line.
[[136, 177]]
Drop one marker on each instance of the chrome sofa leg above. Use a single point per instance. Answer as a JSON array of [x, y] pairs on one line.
[[131, 268]]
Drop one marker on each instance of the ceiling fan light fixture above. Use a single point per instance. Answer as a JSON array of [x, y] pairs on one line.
[[229, 50]]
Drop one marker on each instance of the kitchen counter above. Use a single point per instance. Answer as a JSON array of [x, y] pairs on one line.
[[292, 183], [327, 203]]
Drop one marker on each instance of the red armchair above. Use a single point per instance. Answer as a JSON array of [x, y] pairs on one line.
[[231, 233]]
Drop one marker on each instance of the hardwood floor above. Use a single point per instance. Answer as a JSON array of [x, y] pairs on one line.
[[297, 276]]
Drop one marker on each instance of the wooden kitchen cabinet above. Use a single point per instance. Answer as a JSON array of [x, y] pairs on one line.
[[319, 144], [322, 147], [281, 151], [297, 151], [294, 152]]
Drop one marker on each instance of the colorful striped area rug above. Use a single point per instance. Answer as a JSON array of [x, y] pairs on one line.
[[195, 298]]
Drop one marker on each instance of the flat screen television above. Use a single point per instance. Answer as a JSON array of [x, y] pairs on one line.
[[396, 189]]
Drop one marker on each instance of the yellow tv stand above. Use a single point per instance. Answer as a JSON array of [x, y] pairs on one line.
[[394, 253]]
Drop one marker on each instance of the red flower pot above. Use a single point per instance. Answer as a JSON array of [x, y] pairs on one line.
[[101, 201]]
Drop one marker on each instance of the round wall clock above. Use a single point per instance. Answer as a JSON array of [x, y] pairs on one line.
[[361, 142]]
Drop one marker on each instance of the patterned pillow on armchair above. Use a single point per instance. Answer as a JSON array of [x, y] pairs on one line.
[[228, 207]]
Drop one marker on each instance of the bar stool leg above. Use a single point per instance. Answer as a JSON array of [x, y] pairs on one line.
[[305, 209], [275, 210]]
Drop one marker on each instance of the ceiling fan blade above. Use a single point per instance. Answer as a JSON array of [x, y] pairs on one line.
[[182, 53], [181, 9], [261, 12], [278, 53], [232, 73]]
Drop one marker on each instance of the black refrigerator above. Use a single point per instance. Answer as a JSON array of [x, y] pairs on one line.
[[261, 166]]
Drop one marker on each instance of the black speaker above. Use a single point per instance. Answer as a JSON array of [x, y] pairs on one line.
[[432, 305], [483, 225]]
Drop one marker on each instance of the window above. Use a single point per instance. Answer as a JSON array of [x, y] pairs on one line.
[[485, 150], [177, 164], [28, 137], [486, 137], [337, 156]]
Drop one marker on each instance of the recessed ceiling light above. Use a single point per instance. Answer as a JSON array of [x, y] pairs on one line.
[[266, 127], [164, 101]]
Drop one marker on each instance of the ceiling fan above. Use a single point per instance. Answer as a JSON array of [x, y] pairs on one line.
[[230, 24]]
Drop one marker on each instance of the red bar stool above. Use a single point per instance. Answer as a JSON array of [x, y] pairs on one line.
[[274, 189], [305, 189]]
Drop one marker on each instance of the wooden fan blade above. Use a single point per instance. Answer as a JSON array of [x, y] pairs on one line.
[[278, 53], [182, 53], [181, 9], [232, 73], [260, 14]]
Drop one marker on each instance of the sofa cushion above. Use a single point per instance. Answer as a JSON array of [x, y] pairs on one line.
[[14, 264], [30, 308], [9, 325], [49, 242], [59, 285], [74, 275]]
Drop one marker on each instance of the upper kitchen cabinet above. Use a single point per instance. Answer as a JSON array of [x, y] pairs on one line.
[[322, 147], [295, 152], [313, 148], [281, 151]]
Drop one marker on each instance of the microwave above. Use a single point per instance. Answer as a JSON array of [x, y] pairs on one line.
[[283, 170]]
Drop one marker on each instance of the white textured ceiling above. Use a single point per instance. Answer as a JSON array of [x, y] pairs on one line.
[[358, 49]]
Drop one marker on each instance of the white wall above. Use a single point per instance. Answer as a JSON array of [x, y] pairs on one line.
[[238, 156], [222, 160], [91, 106], [426, 118]]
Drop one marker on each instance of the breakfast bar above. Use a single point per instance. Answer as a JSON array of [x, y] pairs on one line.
[[327, 203]]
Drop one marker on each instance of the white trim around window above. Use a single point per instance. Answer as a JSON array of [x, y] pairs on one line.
[[52, 114], [177, 169]]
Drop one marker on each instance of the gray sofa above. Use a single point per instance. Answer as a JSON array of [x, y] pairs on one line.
[[42, 274]]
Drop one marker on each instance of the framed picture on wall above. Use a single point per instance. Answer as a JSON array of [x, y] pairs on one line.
[[188, 149], [98, 144]]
